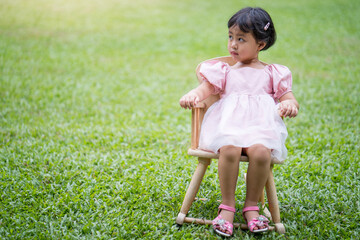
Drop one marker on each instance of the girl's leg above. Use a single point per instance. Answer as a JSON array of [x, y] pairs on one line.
[[257, 175], [228, 170]]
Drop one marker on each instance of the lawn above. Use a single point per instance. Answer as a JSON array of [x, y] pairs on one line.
[[93, 142]]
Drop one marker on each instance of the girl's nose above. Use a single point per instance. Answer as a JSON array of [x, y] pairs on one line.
[[233, 45]]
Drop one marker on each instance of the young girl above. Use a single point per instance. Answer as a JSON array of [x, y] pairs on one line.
[[254, 96]]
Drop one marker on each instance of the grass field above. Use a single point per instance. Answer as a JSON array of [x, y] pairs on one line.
[[93, 142]]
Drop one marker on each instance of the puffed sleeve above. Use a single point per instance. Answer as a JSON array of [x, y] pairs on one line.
[[215, 73], [282, 80]]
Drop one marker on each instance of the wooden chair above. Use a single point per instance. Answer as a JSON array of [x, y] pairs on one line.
[[204, 160]]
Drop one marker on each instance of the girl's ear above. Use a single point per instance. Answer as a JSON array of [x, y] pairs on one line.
[[261, 45]]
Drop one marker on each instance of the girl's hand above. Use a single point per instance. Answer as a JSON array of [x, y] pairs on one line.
[[288, 108], [189, 100], [196, 95]]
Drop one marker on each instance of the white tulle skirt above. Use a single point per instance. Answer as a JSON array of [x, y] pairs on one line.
[[244, 120]]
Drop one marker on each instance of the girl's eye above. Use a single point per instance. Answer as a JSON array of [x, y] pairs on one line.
[[230, 37], [241, 39]]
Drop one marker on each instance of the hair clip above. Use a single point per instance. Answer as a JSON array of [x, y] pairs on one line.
[[267, 26]]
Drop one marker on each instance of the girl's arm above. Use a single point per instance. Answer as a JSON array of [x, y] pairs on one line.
[[289, 107], [196, 95]]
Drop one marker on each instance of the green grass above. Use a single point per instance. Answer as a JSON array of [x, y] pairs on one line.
[[93, 141]]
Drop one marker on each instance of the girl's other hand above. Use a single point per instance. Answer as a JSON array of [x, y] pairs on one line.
[[287, 108], [189, 100]]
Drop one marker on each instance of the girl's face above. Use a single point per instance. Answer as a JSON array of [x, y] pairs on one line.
[[242, 46]]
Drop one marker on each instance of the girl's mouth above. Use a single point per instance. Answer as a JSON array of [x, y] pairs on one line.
[[234, 53]]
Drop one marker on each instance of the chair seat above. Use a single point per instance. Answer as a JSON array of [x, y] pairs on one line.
[[211, 155]]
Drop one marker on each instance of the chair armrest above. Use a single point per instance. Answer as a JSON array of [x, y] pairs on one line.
[[197, 115], [200, 105]]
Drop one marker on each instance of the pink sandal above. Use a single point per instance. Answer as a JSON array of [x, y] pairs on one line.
[[220, 225], [260, 221]]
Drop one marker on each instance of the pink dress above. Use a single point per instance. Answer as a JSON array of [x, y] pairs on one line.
[[246, 113]]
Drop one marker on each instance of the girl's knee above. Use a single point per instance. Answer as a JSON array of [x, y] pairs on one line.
[[261, 155], [230, 153]]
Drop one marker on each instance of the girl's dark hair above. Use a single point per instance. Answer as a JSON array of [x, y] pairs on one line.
[[255, 20]]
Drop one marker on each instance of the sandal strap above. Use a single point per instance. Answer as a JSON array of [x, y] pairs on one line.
[[251, 208], [226, 207], [260, 221], [223, 225]]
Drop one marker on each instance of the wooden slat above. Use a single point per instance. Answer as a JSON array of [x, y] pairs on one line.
[[205, 154], [202, 221]]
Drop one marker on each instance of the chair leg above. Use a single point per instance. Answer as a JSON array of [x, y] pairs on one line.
[[273, 203], [193, 189]]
